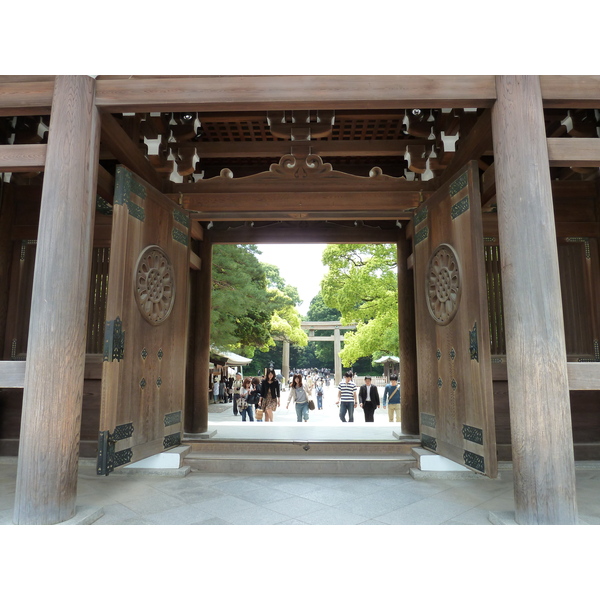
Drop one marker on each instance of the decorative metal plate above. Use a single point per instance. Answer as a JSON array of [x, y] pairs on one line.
[[473, 345], [443, 284], [420, 216], [421, 235], [170, 441], [460, 183], [179, 236], [474, 461], [440, 382], [462, 206], [472, 434], [154, 285], [159, 382], [428, 442], [181, 218], [428, 420], [114, 340], [172, 418], [124, 187]]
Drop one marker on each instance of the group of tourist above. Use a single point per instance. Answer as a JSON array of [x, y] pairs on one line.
[[349, 396], [255, 398]]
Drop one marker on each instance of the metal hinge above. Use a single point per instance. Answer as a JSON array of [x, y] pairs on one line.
[[108, 459], [114, 340]]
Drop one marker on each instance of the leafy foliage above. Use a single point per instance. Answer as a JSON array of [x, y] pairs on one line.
[[362, 285], [241, 312], [252, 306]]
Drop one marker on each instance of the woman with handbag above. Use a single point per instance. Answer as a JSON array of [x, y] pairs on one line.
[[243, 402], [269, 395], [301, 395]]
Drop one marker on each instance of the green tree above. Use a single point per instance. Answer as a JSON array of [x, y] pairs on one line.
[[285, 320], [362, 285], [241, 312]]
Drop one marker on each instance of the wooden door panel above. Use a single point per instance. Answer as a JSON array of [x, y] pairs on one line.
[[453, 347], [143, 378]]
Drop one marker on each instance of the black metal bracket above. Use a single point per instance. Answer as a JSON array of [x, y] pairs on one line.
[[473, 346], [114, 340], [108, 459]]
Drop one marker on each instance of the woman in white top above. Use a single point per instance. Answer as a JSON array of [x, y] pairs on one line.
[[244, 407], [300, 394]]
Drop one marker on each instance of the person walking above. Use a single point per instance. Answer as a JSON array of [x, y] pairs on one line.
[[243, 402], [236, 387], [300, 394], [391, 395], [254, 396], [368, 396], [319, 392], [270, 395], [216, 390], [347, 397]]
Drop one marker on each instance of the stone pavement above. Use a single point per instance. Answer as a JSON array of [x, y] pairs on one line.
[[243, 499]]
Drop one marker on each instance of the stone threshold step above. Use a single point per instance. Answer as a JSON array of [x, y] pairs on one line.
[[192, 457]]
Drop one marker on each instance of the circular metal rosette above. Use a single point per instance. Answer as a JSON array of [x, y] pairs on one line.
[[154, 285], [443, 284]]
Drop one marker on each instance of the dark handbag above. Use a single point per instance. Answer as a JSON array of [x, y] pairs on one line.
[[311, 405]]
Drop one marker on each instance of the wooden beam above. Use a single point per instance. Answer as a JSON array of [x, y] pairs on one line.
[[127, 151], [26, 98], [320, 147], [574, 152], [570, 91], [315, 215], [195, 262], [236, 93], [106, 184], [12, 373], [298, 203], [286, 234], [196, 231], [584, 376], [22, 158]]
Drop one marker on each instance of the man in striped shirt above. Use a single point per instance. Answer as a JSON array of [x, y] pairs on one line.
[[347, 397]]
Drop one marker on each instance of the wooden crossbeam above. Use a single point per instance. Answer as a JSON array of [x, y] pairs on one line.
[[320, 147], [126, 151], [22, 158], [237, 93], [293, 205], [574, 152], [570, 91], [19, 98], [12, 373], [282, 233]]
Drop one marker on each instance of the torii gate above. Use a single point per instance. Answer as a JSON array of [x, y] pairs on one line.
[[336, 338]]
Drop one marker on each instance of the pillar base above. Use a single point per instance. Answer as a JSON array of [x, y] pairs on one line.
[[85, 515], [508, 518]]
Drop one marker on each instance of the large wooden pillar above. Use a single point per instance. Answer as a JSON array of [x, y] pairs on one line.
[[542, 440], [202, 302], [51, 419], [407, 340]]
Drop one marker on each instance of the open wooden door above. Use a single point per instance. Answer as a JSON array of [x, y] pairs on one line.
[[453, 347], [143, 376]]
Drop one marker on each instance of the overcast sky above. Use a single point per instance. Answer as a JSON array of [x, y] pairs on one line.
[[300, 265]]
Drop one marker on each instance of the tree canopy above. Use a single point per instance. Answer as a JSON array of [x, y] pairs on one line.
[[362, 285], [251, 303]]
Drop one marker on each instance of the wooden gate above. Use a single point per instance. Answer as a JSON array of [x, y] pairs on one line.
[[453, 347], [143, 376]]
